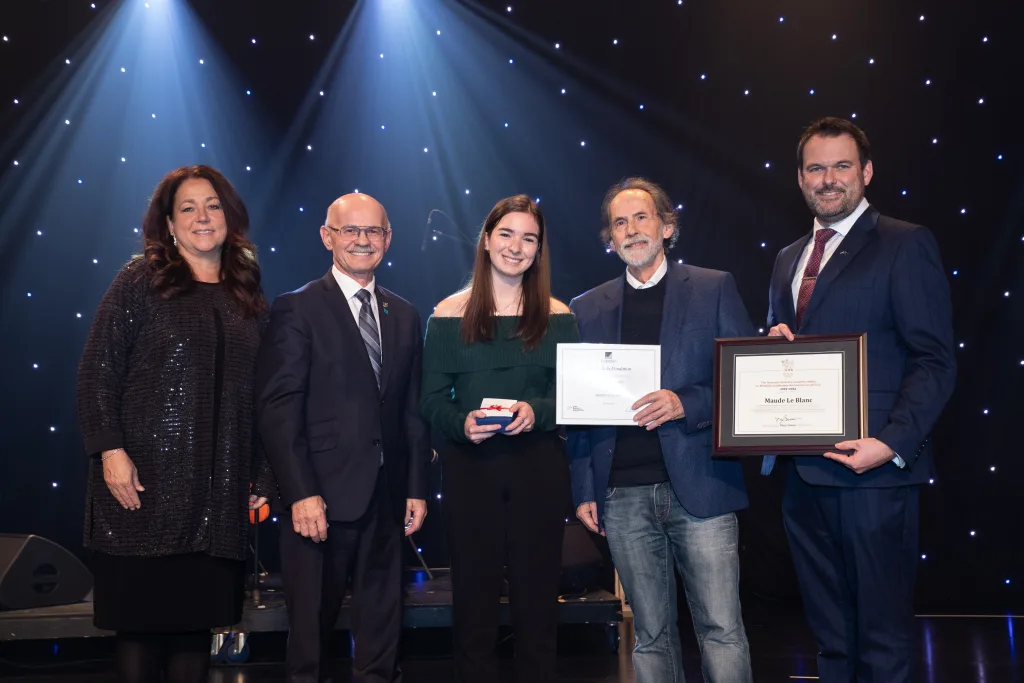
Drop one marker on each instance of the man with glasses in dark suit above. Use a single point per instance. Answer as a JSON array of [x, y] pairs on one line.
[[337, 395]]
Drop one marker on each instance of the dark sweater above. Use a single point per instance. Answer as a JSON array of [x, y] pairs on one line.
[[171, 382], [457, 377], [638, 460]]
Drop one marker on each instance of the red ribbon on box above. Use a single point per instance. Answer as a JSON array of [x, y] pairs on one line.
[[509, 410]]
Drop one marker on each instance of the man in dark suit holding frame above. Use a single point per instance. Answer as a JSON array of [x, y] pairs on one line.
[[852, 516]]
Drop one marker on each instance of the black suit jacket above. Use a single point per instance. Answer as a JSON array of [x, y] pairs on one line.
[[322, 420], [886, 279]]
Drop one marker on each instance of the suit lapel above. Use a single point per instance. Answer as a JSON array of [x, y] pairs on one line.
[[387, 336], [342, 315], [611, 316], [783, 286], [673, 312], [860, 234]]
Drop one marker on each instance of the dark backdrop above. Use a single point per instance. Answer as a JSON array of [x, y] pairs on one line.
[[726, 88]]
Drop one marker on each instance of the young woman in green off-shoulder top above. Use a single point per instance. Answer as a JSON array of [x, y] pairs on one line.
[[505, 488]]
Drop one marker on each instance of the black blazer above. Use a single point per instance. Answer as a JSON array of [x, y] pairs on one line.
[[885, 279], [322, 420]]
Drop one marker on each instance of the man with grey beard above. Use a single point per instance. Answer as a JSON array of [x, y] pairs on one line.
[[653, 489], [852, 515]]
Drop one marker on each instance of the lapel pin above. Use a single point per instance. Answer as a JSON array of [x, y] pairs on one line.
[[844, 253], [385, 304]]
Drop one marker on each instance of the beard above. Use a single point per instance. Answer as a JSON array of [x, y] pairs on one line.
[[830, 212], [641, 257]]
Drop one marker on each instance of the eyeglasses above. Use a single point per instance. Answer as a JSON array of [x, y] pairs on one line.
[[374, 233]]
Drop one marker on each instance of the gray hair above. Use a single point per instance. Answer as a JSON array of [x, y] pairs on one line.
[[662, 204]]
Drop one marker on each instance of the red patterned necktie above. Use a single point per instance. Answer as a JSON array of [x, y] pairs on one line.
[[811, 273]]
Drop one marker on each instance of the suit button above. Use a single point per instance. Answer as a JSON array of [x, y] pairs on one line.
[[382, 401], [376, 442]]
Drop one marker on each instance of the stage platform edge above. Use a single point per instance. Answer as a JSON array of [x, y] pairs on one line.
[[428, 604]]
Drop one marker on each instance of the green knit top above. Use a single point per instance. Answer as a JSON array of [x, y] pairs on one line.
[[457, 376]]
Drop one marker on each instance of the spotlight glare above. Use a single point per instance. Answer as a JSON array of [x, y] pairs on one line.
[[558, 46], [312, 37]]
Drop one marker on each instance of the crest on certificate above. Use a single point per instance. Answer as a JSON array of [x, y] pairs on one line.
[[787, 367]]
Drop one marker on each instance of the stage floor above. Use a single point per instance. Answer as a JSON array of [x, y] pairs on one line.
[[951, 649], [428, 604]]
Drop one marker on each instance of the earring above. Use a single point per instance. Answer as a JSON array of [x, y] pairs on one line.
[[174, 239]]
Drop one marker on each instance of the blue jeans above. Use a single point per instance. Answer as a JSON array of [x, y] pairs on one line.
[[648, 530]]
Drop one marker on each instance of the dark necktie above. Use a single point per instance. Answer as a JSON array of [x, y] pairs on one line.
[[368, 330], [811, 273]]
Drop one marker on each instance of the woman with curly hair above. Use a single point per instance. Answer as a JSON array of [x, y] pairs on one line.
[[165, 390]]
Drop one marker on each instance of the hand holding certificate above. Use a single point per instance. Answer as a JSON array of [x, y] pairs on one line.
[[598, 384]]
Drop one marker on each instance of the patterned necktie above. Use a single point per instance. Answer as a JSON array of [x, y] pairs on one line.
[[368, 330], [811, 273]]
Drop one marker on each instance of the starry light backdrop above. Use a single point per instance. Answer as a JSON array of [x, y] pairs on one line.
[[439, 108]]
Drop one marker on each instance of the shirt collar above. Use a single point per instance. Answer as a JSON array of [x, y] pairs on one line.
[[843, 227], [349, 287], [654, 279]]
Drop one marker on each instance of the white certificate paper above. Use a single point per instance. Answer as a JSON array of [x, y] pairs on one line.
[[800, 393], [597, 384]]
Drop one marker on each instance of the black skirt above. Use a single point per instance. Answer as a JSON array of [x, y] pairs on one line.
[[169, 594]]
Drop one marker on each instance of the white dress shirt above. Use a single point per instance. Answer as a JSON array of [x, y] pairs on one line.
[[350, 288], [653, 280], [842, 229]]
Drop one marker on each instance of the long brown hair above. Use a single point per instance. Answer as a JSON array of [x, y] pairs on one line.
[[167, 268], [478, 319]]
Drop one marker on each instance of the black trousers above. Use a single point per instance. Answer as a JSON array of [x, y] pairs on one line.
[[855, 554], [316, 575], [505, 503]]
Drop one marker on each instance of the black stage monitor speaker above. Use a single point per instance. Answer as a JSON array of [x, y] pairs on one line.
[[35, 572]]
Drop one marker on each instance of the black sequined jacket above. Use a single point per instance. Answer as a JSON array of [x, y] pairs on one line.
[[171, 382]]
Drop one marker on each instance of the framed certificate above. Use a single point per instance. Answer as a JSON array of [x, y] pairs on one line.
[[779, 397], [597, 384]]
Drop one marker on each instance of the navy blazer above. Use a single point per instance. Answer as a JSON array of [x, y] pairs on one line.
[[886, 279], [700, 305], [322, 420]]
